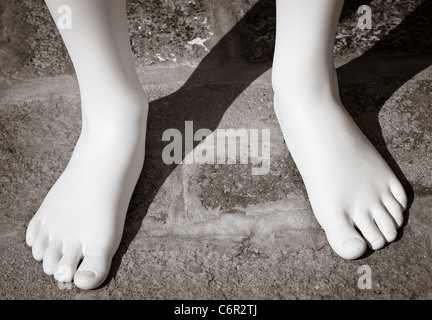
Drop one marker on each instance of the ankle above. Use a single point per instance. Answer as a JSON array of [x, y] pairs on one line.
[[312, 87], [290, 100], [115, 108]]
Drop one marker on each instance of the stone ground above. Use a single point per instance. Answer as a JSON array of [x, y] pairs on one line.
[[215, 231]]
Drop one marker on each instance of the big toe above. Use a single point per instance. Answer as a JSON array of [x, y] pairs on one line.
[[346, 241], [92, 271]]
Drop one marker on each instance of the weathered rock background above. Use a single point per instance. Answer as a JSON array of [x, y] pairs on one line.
[[165, 32]]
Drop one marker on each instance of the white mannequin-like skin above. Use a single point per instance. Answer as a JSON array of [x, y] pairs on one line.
[[82, 217], [348, 183]]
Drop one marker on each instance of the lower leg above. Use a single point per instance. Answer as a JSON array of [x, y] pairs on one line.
[[82, 217], [305, 33], [354, 195]]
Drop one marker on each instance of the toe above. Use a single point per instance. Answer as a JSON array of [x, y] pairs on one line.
[[399, 194], [370, 231], [68, 263], [92, 271], [39, 246], [32, 231], [345, 241], [394, 208], [52, 257], [385, 223]]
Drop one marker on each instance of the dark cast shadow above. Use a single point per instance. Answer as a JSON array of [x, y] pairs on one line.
[[173, 110], [385, 74]]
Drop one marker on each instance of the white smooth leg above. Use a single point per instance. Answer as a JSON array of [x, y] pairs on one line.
[[82, 217]]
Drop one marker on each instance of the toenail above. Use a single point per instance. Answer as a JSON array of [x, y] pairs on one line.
[[392, 235], [87, 274], [351, 243], [377, 243]]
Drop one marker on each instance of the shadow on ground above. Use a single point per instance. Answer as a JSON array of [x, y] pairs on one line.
[[362, 100]]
